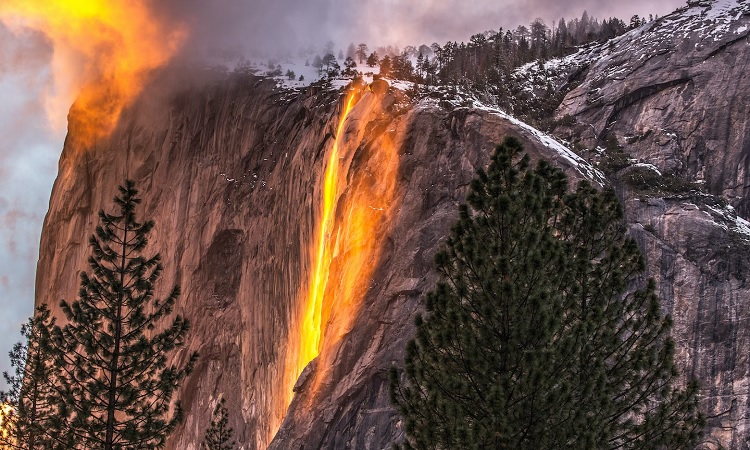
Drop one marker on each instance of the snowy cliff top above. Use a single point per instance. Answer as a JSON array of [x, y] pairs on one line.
[[706, 25]]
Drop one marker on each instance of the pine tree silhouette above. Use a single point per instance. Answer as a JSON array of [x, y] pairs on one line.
[[219, 435], [28, 414]]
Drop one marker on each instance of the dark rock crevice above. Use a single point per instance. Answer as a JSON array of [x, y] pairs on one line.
[[727, 44]]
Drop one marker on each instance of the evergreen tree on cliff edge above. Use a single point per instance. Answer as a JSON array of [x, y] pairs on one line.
[[536, 336], [115, 379]]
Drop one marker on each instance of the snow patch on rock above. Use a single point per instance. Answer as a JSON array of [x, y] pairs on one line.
[[581, 165]]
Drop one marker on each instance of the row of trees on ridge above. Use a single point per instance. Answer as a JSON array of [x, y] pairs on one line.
[[487, 57]]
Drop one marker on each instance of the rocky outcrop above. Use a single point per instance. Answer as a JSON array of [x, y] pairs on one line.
[[675, 94], [699, 257]]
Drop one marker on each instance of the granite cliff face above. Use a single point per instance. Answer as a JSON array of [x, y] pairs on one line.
[[674, 95], [233, 172]]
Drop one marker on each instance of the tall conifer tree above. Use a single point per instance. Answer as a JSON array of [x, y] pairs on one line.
[[115, 378], [536, 336]]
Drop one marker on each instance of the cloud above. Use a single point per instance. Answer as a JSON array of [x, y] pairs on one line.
[[28, 154], [22, 51], [223, 25]]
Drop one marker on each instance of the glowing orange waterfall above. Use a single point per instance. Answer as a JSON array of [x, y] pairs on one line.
[[312, 322], [357, 196]]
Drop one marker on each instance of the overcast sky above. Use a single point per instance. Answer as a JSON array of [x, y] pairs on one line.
[[30, 146], [294, 23], [29, 149]]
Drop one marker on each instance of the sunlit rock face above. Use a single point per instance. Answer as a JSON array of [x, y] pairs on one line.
[[227, 173]]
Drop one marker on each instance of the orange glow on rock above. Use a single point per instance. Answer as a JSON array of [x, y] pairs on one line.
[[6, 411], [358, 193], [104, 51], [313, 320]]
